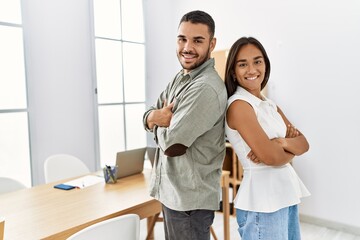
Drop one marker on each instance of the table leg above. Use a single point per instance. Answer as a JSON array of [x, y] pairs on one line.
[[150, 226]]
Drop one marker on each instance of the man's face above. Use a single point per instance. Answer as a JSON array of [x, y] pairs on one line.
[[194, 45]]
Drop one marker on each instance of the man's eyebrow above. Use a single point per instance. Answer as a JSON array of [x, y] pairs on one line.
[[195, 38], [199, 37]]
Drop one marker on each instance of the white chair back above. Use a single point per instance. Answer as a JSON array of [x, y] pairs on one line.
[[9, 185], [62, 166], [125, 227]]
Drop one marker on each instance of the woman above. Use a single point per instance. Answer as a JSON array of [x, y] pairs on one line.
[[265, 142]]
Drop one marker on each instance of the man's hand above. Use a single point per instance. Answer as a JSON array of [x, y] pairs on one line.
[[161, 117], [165, 114]]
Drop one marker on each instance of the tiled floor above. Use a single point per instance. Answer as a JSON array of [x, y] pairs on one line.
[[308, 231]]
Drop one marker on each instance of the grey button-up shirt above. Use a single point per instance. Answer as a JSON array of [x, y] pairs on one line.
[[191, 181]]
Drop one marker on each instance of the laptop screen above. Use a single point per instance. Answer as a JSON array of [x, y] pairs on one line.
[[130, 162]]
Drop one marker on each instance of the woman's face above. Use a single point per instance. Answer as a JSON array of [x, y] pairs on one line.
[[250, 68]]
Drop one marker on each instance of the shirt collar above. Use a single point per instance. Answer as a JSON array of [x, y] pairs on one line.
[[195, 72], [254, 100]]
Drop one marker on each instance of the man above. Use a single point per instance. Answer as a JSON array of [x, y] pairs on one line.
[[188, 126]]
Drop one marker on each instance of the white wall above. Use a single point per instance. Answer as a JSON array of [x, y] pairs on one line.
[[314, 51], [60, 87]]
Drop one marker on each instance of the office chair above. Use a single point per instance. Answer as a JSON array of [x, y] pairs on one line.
[[10, 185], [62, 166], [125, 227]]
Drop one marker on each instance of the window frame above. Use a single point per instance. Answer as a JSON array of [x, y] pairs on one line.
[[123, 103], [15, 110]]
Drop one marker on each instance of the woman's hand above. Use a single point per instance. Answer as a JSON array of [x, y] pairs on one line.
[[251, 155], [291, 131]]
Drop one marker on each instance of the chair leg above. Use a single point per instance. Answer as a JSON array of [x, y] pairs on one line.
[[213, 233]]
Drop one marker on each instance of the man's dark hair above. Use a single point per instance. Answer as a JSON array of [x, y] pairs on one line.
[[198, 16]]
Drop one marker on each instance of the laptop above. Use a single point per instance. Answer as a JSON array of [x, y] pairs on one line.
[[130, 162]]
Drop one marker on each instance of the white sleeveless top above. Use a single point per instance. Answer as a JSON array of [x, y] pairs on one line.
[[264, 188]]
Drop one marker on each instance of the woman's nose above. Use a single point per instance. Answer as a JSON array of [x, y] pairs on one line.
[[251, 68]]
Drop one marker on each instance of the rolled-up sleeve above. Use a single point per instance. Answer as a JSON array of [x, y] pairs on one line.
[[146, 114]]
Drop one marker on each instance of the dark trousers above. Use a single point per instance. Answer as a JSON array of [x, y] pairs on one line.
[[187, 225]]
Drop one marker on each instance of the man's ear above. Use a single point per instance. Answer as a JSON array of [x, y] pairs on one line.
[[212, 44]]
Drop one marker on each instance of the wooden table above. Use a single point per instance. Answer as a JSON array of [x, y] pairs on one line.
[[43, 212]]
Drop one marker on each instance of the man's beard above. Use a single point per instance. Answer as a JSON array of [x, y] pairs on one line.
[[196, 64]]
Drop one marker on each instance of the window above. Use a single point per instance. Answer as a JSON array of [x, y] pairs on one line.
[[120, 76], [14, 128]]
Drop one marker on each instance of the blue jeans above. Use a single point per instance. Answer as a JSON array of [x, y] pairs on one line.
[[280, 225]]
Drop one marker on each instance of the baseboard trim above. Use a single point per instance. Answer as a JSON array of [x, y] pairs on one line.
[[330, 224]]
